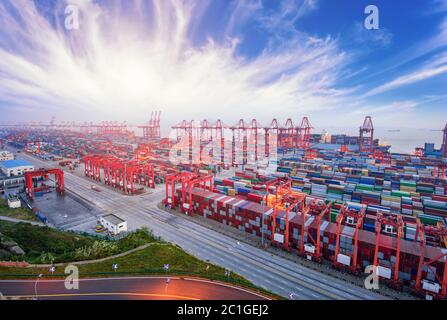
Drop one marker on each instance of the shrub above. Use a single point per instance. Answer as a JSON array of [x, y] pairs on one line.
[[46, 258], [98, 249]]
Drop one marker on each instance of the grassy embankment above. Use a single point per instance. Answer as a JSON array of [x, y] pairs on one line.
[[20, 213], [43, 244]]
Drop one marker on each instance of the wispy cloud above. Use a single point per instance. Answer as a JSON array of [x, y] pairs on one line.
[[121, 64], [382, 37], [432, 69]]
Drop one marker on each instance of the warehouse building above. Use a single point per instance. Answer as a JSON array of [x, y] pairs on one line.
[[113, 224], [6, 155], [14, 202], [15, 167]]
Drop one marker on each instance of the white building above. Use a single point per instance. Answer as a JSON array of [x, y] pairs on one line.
[[15, 167], [14, 203], [113, 224], [6, 155]]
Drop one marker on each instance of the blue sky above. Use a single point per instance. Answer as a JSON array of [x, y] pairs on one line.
[[225, 59]]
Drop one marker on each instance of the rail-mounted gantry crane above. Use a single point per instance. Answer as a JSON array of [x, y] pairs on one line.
[[349, 221], [313, 215], [58, 174], [392, 226]]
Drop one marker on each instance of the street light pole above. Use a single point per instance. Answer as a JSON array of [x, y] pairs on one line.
[[35, 285], [262, 225]]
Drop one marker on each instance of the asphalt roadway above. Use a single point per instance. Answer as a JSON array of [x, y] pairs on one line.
[[271, 272], [127, 288]]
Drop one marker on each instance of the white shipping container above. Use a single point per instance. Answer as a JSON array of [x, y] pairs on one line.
[[383, 272], [431, 286], [309, 248], [344, 259], [279, 237]]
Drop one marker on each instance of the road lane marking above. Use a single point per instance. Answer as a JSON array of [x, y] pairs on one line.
[[61, 295]]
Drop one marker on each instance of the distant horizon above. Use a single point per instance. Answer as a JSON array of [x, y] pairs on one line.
[[263, 59]]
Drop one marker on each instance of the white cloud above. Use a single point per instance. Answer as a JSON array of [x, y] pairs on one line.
[[121, 66], [382, 37], [422, 74]]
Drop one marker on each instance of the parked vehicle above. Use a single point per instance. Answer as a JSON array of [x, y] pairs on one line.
[[95, 188]]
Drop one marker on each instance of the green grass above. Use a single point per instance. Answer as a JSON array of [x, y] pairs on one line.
[[47, 245], [20, 213], [148, 261], [41, 242]]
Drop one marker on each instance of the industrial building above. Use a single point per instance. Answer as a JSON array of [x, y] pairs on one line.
[[14, 202], [6, 155], [15, 167], [114, 224]]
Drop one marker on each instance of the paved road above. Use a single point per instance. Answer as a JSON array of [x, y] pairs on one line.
[[141, 288], [266, 270]]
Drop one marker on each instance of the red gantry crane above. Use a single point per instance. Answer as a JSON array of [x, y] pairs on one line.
[[304, 131], [273, 128], [392, 226], [219, 128], [206, 137], [58, 174], [120, 174], [366, 136], [205, 182], [151, 129], [185, 134], [313, 215], [188, 182], [439, 171], [444, 142], [285, 203], [432, 236], [287, 135], [381, 157], [253, 137], [239, 132], [170, 183], [349, 222]]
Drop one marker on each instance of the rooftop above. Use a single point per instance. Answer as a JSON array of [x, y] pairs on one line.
[[9, 164], [113, 219]]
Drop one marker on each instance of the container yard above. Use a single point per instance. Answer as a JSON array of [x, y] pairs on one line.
[[347, 206], [236, 150]]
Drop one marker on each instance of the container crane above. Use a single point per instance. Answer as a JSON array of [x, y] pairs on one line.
[[444, 142], [185, 136], [238, 130], [393, 226], [349, 221], [285, 203], [254, 131], [381, 157], [287, 135], [274, 127], [366, 136], [151, 129], [304, 131], [58, 174], [313, 215], [432, 235], [219, 127], [192, 181], [206, 136]]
